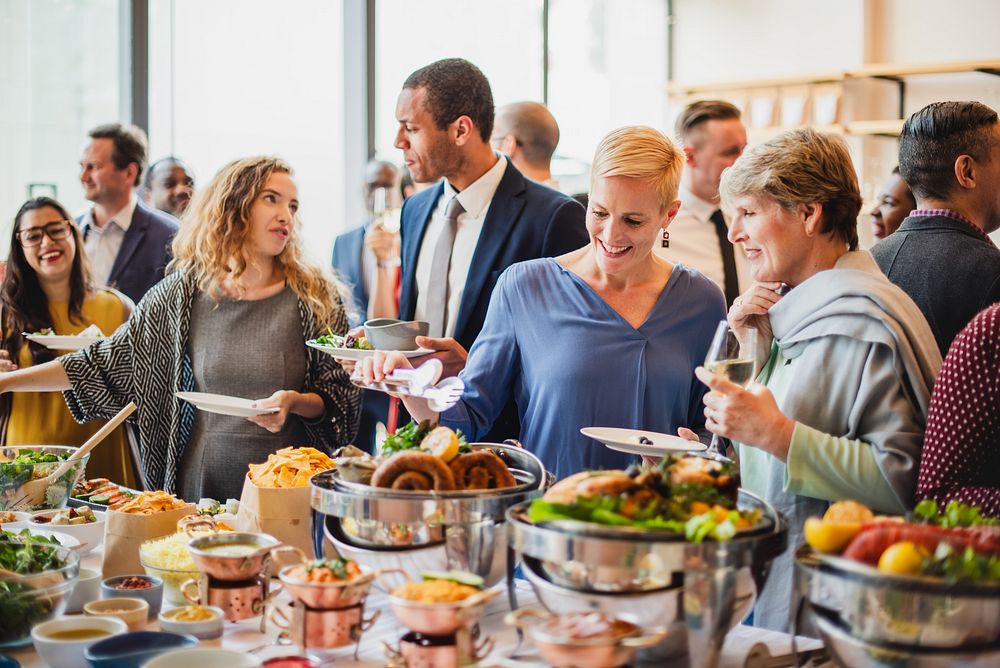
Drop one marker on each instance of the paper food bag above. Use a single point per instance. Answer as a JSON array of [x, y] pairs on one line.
[[125, 532], [281, 512]]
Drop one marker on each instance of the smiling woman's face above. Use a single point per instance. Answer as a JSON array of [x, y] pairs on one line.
[[52, 259], [774, 238], [624, 221]]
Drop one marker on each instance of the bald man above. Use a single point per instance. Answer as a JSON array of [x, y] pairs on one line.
[[528, 134]]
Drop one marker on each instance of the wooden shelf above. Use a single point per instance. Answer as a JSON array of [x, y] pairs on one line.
[[887, 128], [780, 82], [889, 71]]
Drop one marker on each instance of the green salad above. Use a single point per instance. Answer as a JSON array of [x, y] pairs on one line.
[[954, 515], [20, 607], [412, 435], [349, 341]]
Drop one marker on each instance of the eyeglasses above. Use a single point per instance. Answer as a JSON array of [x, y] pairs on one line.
[[33, 235]]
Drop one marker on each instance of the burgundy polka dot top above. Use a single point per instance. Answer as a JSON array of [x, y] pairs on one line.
[[961, 455]]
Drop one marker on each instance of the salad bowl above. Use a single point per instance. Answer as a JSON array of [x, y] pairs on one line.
[[24, 466]]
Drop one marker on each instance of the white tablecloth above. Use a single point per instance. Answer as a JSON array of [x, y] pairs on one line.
[[245, 636]]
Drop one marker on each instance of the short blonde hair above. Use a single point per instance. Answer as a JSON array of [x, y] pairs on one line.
[[643, 153], [801, 166], [212, 240]]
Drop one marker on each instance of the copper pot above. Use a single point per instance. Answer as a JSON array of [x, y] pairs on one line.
[[329, 595], [441, 619], [251, 554], [309, 628], [564, 651]]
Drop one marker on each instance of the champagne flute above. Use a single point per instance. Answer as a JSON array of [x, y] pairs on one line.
[[734, 360]]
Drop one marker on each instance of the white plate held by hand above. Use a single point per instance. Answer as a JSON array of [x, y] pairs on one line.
[[223, 405], [57, 342], [631, 441], [357, 354]]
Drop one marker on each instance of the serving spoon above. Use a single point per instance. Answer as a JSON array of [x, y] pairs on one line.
[[33, 491]]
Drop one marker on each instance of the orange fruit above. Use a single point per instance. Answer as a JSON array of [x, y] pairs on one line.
[[905, 558], [829, 537], [848, 511]]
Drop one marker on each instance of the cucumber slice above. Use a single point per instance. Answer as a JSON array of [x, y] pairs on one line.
[[460, 577], [100, 498]]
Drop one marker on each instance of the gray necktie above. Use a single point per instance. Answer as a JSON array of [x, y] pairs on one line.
[[437, 287]]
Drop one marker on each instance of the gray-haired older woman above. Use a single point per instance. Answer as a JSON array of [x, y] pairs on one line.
[[838, 409]]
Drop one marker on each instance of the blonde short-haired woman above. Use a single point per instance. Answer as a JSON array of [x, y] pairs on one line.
[[231, 318], [608, 335], [838, 410]]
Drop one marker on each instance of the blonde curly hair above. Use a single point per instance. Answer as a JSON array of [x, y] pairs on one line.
[[212, 240]]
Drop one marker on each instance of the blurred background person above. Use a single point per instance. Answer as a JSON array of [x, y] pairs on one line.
[[169, 185], [893, 203], [713, 137], [527, 133], [128, 243], [48, 285]]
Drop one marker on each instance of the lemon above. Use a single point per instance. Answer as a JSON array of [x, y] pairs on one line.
[[848, 511], [903, 558], [442, 443], [829, 537]]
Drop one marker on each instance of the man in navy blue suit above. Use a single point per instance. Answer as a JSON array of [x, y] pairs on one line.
[[127, 242], [483, 215]]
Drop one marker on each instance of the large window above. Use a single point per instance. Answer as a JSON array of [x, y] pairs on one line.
[[58, 79], [503, 38], [233, 78]]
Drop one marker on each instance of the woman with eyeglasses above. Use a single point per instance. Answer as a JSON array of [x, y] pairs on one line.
[[47, 285]]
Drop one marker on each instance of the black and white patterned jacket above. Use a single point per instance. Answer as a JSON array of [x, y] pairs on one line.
[[146, 360]]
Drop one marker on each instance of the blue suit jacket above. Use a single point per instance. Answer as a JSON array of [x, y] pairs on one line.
[[144, 253], [525, 221], [346, 261]]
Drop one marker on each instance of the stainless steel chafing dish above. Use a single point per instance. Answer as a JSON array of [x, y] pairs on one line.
[[414, 531], [593, 563], [871, 618]]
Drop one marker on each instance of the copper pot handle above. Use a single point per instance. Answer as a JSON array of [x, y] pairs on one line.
[[279, 618], [364, 625], [303, 558], [382, 571], [193, 599]]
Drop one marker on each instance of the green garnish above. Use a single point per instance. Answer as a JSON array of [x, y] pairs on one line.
[[956, 514]]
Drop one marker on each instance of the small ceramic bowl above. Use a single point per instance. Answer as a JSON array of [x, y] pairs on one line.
[[14, 519], [62, 642], [205, 629], [389, 334], [111, 588], [132, 611], [90, 535], [87, 589], [204, 657], [133, 650]]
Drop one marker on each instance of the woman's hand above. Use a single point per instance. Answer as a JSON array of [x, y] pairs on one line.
[[5, 363], [308, 405], [378, 366], [684, 433], [749, 311], [750, 416]]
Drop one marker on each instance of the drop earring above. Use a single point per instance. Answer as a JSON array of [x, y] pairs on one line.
[[666, 238]]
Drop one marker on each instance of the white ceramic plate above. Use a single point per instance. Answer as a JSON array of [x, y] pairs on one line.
[[357, 354], [223, 405], [56, 342], [628, 440]]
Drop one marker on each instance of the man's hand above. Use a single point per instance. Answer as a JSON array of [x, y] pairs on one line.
[[448, 350], [384, 244]]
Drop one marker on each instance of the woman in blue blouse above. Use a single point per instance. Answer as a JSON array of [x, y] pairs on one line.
[[608, 335]]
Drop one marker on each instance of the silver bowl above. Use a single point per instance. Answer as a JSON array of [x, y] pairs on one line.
[[878, 607], [850, 651], [383, 528]]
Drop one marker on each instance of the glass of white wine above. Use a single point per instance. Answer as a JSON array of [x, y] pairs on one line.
[[733, 359]]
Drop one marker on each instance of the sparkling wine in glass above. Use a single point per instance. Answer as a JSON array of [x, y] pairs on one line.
[[734, 359]]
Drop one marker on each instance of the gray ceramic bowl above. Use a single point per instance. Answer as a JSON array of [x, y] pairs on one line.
[[389, 334], [152, 595]]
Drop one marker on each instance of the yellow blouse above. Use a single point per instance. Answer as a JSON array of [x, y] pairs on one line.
[[42, 418]]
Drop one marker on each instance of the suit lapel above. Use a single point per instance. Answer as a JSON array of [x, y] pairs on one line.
[[501, 219], [418, 215], [133, 237]]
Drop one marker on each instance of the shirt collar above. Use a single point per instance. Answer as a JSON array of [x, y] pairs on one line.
[[479, 194], [699, 208], [954, 215], [123, 218]]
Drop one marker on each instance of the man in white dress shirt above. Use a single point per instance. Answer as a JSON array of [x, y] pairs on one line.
[[127, 241], [713, 137]]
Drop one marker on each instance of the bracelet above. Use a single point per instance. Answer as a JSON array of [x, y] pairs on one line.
[[389, 264]]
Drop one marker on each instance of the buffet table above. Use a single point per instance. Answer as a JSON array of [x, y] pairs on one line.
[[245, 636]]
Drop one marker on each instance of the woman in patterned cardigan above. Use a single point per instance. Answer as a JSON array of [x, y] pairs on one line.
[[223, 320]]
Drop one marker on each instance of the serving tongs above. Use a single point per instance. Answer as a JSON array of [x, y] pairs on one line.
[[423, 382]]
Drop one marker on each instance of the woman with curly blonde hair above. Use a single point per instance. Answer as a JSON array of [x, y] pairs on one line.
[[230, 318]]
